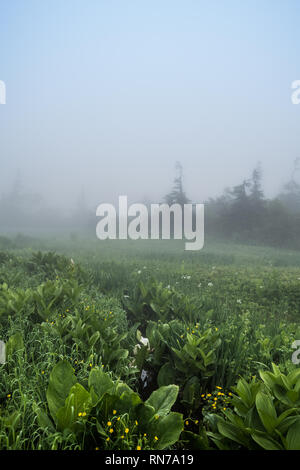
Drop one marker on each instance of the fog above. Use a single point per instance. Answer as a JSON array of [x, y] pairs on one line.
[[102, 98]]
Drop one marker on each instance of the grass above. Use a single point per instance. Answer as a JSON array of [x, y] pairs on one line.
[[229, 311]]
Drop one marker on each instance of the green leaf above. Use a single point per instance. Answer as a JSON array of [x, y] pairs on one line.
[[94, 338], [43, 419], [78, 401], [14, 344], [266, 411], [100, 382], [144, 413], [166, 375], [232, 432], [61, 380], [191, 390], [168, 429], [127, 402], [293, 436], [163, 399], [265, 441]]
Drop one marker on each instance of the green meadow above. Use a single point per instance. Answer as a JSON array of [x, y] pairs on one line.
[[140, 345]]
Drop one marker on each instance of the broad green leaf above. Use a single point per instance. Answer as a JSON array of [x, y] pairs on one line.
[[76, 408], [100, 382], [127, 402], [168, 429], [144, 413], [166, 375], [61, 380], [163, 399], [265, 441], [293, 437], [266, 411], [232, 432]]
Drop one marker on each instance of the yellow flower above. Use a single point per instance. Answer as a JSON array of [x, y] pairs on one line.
[[9, 395], [96, 448], [145, 435], [108, 423], [107, 438], [208, 395], [84, 413], [196, 422], [114, 412], [138, 448], [79, 414], [136, 423], [156, 438], [126, 430], [111, 430], [43, 371], [220, 388], [186, 423], [122, 437]]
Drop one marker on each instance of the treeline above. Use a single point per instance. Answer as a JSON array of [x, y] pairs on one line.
[[243, 213]]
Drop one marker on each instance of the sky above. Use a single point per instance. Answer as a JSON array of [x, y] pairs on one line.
[[104, 96]]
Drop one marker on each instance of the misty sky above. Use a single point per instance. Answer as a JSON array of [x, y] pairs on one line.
[[106, 95]]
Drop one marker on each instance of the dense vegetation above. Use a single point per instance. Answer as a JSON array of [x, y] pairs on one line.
[[143, 346]]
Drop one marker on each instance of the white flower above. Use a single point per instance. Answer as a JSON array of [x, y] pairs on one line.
[[139, 272], [239, 301], [210, 284], [145, 342], [199, 285]]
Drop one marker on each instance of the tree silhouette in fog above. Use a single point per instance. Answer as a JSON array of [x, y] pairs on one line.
[[177, 195]]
